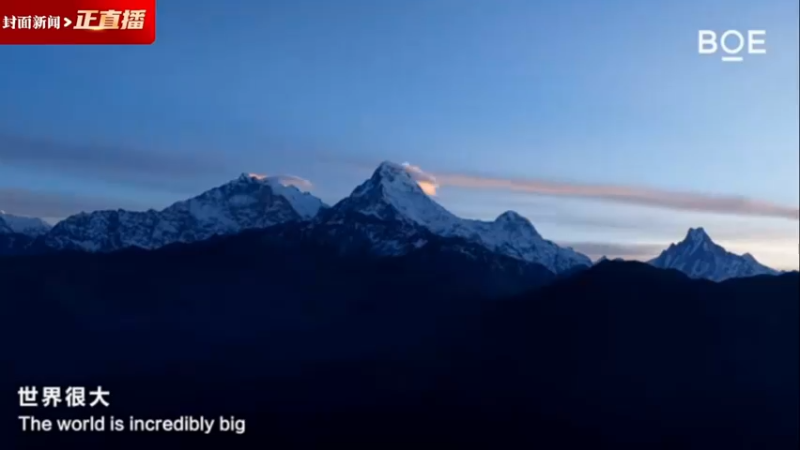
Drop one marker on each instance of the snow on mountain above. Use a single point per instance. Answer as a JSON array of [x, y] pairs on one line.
[[250, 201], [305, 204], [31, 226], [4, 228], [699, 257], [392, 195]]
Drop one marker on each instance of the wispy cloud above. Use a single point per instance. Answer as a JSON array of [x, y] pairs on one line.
[[643, 196], [425, 180], [179, 172], [286, 180], [101, 157], [294, 180], [632, 195], [188, 173]]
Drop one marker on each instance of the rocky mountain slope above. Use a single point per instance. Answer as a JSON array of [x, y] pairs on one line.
[[700, 257]]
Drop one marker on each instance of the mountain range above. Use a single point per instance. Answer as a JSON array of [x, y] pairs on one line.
[[387, 215], [245, 203], [386, 319]]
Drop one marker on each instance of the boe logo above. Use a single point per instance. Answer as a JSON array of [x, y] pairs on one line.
[[707, 43]]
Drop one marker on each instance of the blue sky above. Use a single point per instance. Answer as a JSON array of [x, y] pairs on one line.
[[591, 95]]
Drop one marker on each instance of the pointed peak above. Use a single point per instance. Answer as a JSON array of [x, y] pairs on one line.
[[250, 177], [247, 180], [511, 216], [290, 182], [395, 176], [389, 166], [697, 234], [406, 176], [512, 220], [391, 171], [700, 257]]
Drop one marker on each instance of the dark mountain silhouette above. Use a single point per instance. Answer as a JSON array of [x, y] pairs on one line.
[[318, 344]]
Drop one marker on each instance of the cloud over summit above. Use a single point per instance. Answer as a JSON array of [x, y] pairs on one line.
[[286, 180], [426, 181], [293, 180]]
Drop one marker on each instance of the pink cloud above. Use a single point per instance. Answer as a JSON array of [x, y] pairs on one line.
[[425, 180], [684, 201]]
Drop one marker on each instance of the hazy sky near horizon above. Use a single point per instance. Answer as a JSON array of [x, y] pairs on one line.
[[597, 120]]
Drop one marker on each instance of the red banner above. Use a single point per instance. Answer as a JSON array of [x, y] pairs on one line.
[[77, 22]]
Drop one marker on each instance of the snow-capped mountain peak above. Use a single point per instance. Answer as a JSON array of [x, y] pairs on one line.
[[700, 257], [393, 181], [31, 226], [697, 234], [387, 167], [511, 216], [396, 176], [390, 213], [511, 221], [245, 203], [305, 204], [392, 194]]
